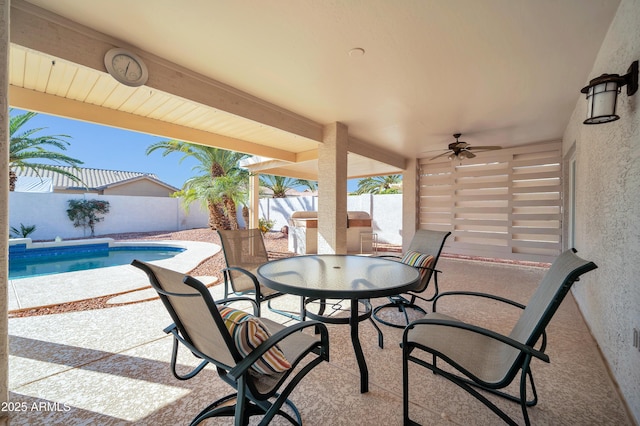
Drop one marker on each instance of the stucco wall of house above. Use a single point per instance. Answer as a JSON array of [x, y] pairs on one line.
[[608, 210]]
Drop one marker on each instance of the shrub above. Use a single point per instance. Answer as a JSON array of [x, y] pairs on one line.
[[85, 213], [23, 232], [265, 225]]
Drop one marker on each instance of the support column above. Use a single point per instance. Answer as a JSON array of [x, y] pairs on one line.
[[410, 202], [4, 205], [254, 201], [332, 190]]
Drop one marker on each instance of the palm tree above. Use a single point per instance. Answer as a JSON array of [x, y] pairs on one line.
[[220, 184], [24, 147], [389, 184], [279, 185]]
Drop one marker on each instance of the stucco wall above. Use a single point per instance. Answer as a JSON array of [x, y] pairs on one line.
[[385, 211], [608, 209], [48, 212], [126, 214]]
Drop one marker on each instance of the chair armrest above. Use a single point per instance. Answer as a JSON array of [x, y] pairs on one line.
[[429, 268], [477, 294], [173, 329], [256, 284], [240, 368], [230, 300], [475, 329], [417, 267], [170, 328], [543, 344]]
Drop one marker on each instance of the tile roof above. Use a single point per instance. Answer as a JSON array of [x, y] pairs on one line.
[[91, 178]]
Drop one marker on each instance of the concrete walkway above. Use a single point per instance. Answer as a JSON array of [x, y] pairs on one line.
[[48, 290]]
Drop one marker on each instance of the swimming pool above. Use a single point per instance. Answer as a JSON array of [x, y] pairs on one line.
[[28, 259]]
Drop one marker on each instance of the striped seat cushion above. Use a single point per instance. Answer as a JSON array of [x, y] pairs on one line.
[[247, 333], [418, 260]]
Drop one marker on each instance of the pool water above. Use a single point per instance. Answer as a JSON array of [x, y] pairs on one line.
[[30, 265]]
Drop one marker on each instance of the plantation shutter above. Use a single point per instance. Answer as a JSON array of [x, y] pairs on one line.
[[501, 204]]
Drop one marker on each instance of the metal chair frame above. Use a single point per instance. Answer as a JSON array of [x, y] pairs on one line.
[[249, 400], [425, 242], [530, 329], [227, 238]]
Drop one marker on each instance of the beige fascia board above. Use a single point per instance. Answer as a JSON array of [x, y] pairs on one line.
[[368, 175], [376, 153], [277, 171], [278, 168], [257, 167], [46, 32], [55, 105]]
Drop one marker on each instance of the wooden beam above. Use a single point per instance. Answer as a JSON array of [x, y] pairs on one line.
[[55, 105], [376, 153]]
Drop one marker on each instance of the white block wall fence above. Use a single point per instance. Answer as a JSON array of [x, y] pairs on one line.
[[48, 212], [385, 212]]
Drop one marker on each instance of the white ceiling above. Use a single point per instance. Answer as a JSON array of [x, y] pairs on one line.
[[501, 72]]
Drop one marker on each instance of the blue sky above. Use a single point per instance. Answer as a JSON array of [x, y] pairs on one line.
[[102, 147]]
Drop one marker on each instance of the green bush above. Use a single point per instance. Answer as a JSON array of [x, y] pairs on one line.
[[265, 225], [85, 213], [23, 232]]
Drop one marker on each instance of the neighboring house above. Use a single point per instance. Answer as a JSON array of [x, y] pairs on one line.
[[96, 181]]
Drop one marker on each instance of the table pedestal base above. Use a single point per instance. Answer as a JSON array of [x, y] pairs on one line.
[[353, 320]]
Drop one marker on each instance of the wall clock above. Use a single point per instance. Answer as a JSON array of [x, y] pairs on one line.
[[126, 67]]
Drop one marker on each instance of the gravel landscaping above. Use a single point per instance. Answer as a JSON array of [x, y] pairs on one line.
[[275, 243]]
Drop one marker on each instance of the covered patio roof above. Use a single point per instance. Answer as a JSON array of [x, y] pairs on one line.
[[266, 79]]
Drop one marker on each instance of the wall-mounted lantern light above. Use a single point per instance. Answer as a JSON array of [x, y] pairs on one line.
[[602, 94]]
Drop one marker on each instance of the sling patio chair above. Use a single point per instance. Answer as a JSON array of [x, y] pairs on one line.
[[244, 252], [486, 360], [423, 253], [256, 356]]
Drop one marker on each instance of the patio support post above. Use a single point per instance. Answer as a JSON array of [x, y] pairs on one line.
[[410, 204], [332, 190], [4, 202], [254, 201]]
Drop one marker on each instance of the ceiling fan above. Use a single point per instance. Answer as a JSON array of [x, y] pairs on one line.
[[461, 150]]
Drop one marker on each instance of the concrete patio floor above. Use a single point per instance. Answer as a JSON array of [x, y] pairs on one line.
[[111, 367]]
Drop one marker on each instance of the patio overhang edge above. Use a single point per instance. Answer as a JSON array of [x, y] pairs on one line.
[[54, 105]]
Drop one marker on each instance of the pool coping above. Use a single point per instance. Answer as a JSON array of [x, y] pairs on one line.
[[47, 290]]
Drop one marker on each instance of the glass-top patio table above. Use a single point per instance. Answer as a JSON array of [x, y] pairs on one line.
[[327, 276]]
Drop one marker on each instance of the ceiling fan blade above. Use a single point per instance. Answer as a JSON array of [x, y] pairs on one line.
[[440, 155], [427, 151], [486, 148]]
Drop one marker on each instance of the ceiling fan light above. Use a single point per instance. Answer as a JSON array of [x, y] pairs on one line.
[[452, 156]]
